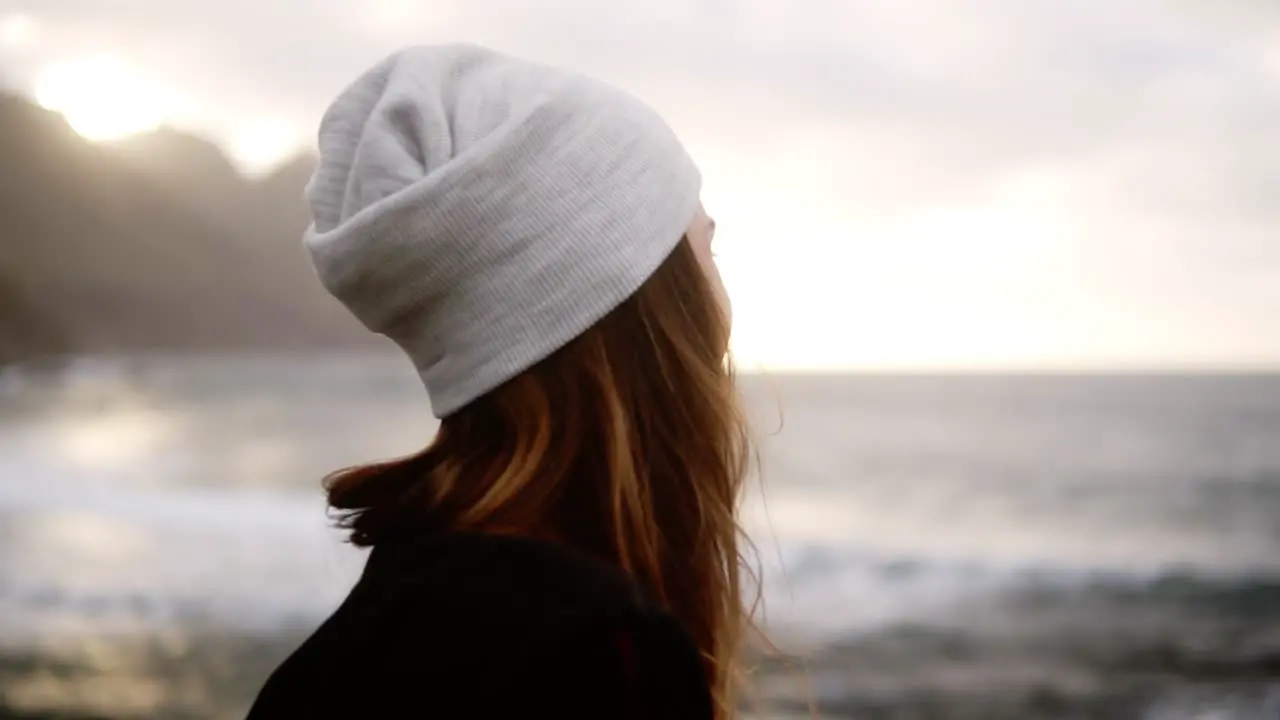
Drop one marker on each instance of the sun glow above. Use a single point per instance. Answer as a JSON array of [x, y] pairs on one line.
[[261, 146], [101, 97]]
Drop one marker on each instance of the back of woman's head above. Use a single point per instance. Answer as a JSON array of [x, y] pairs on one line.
[[627, 443], [534, 241]]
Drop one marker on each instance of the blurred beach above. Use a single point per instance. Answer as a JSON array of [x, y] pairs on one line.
[[1022, 547]]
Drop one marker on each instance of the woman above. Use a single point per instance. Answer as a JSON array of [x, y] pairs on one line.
[[568, 544]]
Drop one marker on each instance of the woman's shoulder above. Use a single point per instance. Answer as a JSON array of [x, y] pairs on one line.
[[494, 620], [491, 627], [508, 604]]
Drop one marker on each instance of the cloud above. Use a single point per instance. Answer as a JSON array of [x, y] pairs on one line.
[[934, 181]]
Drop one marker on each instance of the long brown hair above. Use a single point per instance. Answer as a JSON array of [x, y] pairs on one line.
[[628, 443]]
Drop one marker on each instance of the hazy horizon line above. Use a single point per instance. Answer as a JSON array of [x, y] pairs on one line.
[[1184, 368]]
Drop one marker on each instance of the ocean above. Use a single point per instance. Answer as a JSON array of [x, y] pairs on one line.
[[1022, 547]]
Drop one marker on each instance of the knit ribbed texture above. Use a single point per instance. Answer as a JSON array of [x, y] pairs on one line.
[[482, 211]]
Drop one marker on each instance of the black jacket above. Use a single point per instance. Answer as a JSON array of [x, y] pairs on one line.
[[479, 627]]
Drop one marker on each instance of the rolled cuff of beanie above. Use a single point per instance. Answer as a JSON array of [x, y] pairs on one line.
[[472, 314]]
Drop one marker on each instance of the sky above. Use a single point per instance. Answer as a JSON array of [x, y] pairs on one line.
[[933, 184]]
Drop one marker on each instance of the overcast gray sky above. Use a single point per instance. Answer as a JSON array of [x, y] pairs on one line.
[[899, 183]]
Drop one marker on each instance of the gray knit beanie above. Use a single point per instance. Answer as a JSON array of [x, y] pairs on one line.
[[482, 211]]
